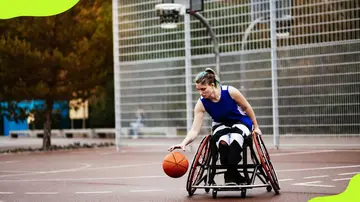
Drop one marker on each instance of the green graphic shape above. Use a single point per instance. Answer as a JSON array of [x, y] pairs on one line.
[[38, 8], [351, 193]]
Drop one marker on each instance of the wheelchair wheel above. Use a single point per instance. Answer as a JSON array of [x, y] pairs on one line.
[[214, 193], [268, 188], [200, 161], [243, 193], [266, 163]]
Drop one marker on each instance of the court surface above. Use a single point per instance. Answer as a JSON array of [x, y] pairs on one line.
[[135, 174]]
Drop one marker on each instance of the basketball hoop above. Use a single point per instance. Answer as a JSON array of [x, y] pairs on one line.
[[169, 14], [168, 25]]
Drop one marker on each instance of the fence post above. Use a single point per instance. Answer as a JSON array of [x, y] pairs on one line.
[[188, 81], [243, 50], [274, 73], [117, 92]]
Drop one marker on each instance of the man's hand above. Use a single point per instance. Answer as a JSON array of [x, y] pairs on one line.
[[257, 130], [178, 146]]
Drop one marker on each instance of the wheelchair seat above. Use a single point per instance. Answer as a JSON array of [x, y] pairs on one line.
[[204, 168]]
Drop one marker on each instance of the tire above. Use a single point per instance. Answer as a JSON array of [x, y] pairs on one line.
[[243, 193], [214, 193], [269, 188], [266, 163], [200, 161]]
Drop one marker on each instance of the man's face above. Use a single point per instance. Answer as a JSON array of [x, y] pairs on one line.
[[205, 90]]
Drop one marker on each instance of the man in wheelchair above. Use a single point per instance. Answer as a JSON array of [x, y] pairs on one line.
[[233, 119]]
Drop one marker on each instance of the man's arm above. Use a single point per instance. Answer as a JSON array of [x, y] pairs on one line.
[[244, 104], [199, 111]]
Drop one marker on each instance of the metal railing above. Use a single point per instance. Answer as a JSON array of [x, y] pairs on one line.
[[316, 58]]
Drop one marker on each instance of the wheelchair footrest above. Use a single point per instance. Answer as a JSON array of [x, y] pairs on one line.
[[232, 186]]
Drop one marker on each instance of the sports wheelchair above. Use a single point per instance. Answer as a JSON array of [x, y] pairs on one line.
[[204, 168]]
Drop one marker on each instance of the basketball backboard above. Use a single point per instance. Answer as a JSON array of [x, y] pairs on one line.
[[197, 5], [193, 5], [261, 9]]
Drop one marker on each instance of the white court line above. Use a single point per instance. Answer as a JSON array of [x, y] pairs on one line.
[[136, 151], [160, 176], [347, 150], [312, 184], [6, 193], [147, 190], [284, 180], [41, 193], [321, 145], [320, 168], [99, 178], [3, 162], [94, 192], [349, 173], [86, 168], [84, 179], [341, 179], [48, 172], [319, 176], [122, 166], [305, 152], [16, 171]]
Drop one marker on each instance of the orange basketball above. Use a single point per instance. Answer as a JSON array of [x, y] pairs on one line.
[[175, 164]]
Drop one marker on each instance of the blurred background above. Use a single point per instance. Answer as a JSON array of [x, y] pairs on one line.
[[58, 72]]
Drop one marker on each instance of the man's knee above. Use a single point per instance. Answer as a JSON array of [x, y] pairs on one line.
[[224, 152], [235, 150]]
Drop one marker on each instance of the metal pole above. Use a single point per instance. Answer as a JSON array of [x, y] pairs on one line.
[[213, 37], [243, 46], [274, 73], [116, 73], [188, 81]]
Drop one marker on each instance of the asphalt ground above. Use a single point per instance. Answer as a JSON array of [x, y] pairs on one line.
[[134, 173]]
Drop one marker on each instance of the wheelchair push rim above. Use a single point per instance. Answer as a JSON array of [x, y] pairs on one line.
[[266, 162], [194, 178]]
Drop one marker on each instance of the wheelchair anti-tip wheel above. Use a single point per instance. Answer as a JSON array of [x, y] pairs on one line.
[[214, 193], [266, 163], [200, 161], [243, 193]]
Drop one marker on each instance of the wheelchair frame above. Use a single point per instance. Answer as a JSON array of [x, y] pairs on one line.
[[205, 160]]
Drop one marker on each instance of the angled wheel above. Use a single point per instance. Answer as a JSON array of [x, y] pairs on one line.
[[200, 161], [214, 193], [266, 163], [268, 188], [243, 193]]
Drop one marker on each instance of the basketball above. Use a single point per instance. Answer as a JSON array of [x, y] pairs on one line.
[[175, 164]]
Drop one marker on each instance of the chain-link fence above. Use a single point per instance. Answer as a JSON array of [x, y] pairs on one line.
[[318, 62]]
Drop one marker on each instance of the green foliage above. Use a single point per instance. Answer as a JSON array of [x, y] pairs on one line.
[[59, 57], [101, 108]]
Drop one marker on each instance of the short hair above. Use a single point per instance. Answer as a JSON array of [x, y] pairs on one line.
[[207, 77]]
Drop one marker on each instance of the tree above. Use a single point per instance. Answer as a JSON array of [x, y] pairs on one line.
[[54, 58]]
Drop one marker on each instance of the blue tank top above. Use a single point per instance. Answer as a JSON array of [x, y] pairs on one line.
[[226, 110]]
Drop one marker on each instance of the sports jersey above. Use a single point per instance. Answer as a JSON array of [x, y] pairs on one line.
[[226, 110]]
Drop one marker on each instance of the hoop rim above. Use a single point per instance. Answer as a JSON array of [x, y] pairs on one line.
[[168, 25], [163, 6]]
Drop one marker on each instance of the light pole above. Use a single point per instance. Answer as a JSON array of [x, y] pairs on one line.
[[243, 46], [116, 73], [212, 35], [169, 13]]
